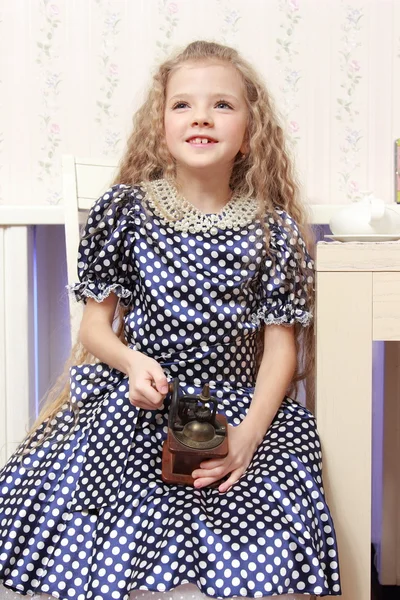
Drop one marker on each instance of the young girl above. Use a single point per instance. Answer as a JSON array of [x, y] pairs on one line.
[[201, 246]]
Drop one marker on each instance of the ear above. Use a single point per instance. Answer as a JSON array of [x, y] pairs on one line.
[[244, 148]]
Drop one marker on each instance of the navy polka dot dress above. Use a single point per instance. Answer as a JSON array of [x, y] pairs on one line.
[[85, 515]]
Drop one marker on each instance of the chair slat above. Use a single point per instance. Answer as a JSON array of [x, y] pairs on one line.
[[84, 181]]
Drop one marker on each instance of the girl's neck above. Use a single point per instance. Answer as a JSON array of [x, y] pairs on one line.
[[208, 194]]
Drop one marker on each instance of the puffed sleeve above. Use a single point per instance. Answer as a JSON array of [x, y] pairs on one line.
[[287, 276], [104, 254]]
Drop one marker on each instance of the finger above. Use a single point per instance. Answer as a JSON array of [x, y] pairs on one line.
[[217, 472], [203, 481], [232, 479], [160, 382], [148, 394], [212, 463]]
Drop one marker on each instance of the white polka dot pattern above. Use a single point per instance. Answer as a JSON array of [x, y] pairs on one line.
[[285, 300], [104, 250], [122, 245], [86, 514]]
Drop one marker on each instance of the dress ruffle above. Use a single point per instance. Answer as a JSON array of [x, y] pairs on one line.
[[284, 315], [99, 291]]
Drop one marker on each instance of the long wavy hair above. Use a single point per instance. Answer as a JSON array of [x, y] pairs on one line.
[[266, 173]]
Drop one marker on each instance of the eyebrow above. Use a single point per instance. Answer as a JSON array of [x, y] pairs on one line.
[[218, 95]]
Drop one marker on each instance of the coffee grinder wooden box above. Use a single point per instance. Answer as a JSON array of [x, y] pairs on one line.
[[195, 433]]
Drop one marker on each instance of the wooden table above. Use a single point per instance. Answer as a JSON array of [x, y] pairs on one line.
[[358, 301]]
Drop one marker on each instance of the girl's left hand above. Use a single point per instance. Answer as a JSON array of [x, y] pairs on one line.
[[242, 446]]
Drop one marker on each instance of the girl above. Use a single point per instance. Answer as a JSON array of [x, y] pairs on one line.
[[201, 245]]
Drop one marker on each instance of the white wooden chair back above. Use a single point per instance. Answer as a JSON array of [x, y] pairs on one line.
[[84, 180]]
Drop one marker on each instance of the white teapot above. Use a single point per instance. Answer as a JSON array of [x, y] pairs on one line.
[[369, 215]]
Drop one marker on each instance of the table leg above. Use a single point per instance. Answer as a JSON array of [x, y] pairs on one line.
[[344, 414], [390, 543]]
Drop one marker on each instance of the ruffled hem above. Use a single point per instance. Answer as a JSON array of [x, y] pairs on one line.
[[185, 589], [284, 315], [99, 291]]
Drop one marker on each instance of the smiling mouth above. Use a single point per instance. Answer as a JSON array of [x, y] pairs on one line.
[[199, 140]]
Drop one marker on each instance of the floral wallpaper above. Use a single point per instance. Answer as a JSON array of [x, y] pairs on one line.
[[50, 78], [287, 54], [348, 101], [105, 114], [229, 28], [80, 69], [169, 11]]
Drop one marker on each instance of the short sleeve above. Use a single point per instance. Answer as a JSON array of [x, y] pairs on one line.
[[104, 254], [287, 276]]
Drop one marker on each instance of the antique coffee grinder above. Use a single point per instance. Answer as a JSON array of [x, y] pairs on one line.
[[195, 433]]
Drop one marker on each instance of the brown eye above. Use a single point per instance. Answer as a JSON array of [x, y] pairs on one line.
[[180, 105]]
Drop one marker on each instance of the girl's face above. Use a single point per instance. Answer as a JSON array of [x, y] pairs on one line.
[[205, 116]]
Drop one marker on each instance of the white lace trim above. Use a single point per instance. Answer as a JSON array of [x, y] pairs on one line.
[[293, 316], [83, 289], [166, 203]]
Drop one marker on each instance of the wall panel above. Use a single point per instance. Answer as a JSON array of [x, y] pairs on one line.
[[81, 68]]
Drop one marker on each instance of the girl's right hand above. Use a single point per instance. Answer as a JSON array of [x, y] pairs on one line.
[[148, 384]]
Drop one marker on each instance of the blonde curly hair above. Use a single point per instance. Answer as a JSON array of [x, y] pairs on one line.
[[265, 173]]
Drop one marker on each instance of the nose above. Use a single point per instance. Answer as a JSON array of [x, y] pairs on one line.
[[202, 122], [202, 119]]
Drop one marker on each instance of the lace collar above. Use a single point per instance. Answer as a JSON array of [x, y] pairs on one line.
[[166, 203]]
